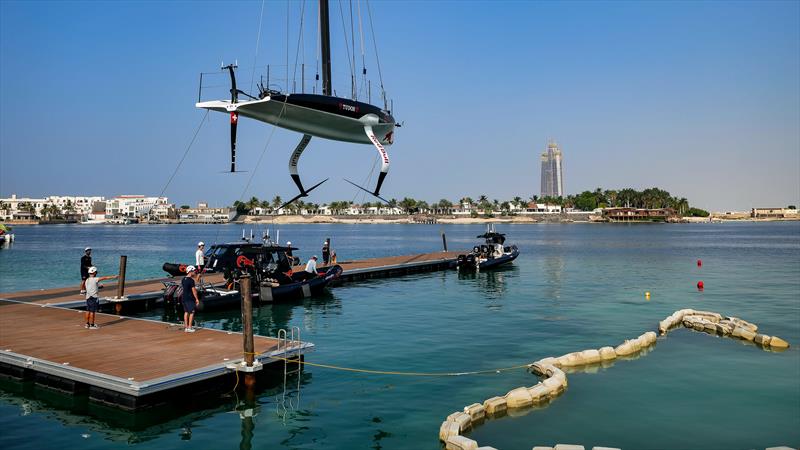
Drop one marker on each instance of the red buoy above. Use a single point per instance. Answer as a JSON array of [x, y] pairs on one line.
[[700, 285], [699, 262]]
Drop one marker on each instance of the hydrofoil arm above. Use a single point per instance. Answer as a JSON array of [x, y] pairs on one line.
[[384, 164]]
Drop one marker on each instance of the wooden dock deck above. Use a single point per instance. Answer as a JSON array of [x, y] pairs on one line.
[[396, 265], [134, 363], [125, 361]]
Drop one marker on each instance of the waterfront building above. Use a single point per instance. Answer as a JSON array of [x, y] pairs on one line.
[[26, 208], [773, 213], [136, 206], [639, 214], [541, 208], [203, 214], [552, 177]]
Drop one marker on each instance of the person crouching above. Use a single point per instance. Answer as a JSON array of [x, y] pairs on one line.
[[92, 302], [190, 298]]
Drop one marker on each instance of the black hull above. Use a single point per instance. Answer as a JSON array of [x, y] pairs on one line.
[[505, 259], [467, 262], [220, 300]]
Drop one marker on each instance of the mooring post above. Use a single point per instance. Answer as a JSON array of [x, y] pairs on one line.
[[123, 263], [247, 328], [444, 241]]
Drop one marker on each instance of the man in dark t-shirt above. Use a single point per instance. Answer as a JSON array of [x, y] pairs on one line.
[[190, 298], [86, 262]]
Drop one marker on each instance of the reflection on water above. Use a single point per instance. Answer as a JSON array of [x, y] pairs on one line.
[[554, 271], [490, 283]]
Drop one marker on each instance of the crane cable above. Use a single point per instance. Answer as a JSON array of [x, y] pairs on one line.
[[258, 43], [344, 30], [377, 55], [185, 153], [299, 44]]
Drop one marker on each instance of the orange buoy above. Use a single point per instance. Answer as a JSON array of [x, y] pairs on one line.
[[700, 285], [699, 262]]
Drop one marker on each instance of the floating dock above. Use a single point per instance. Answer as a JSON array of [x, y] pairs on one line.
[[135, 363], [127, 363], [392, 266]]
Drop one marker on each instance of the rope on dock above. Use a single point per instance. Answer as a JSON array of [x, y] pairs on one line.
[[396, 372]]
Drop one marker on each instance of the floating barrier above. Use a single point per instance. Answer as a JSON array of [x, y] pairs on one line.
[[553, 371]]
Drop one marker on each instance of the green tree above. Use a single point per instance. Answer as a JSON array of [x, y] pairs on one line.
[[252, 204], [697, 212], [408, 205], [240, 207], [185, 207]]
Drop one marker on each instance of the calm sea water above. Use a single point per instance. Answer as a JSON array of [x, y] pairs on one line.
[[574, 287]]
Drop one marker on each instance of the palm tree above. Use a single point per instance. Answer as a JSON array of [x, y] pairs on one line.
[[408, 204], [277, 201], [252, 204]]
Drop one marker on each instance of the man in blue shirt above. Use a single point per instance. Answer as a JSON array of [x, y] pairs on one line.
[[190, 298]]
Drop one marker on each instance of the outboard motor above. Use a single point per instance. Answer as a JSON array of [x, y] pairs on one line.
[[470, 261], [174, 269]]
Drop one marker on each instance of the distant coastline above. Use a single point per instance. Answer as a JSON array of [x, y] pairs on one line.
[[422, 219]]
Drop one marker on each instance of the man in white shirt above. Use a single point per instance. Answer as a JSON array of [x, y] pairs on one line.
[[199, 258], [92, 297], [311, 266]]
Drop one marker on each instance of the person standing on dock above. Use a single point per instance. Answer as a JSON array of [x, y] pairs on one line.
[[86, 262], [190, 298], [326, 253], [199, 257], [92, 284]]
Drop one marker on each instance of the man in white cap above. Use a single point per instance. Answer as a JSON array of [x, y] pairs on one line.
[[92, 302], [199, 258], [190, 298], [326, 252]]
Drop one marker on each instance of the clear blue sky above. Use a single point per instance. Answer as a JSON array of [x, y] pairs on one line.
[[699, 98]]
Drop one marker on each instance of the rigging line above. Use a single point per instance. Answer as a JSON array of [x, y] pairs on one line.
[[375, 45], [317, 46], [299, 40], [288, 2], [361, 39], [264, 150], [353, 44], [258, 42], [344, 30], [186, 152]]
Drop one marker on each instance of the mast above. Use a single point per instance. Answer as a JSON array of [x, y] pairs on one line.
[[325, 44]]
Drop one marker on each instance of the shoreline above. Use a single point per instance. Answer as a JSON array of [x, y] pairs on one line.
[[430, 220]]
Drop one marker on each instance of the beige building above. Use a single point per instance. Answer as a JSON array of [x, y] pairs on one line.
[[773, 213]]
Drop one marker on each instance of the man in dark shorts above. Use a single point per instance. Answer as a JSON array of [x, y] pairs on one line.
[[190, 298], [92, 300], [326, 252], [86, 262]]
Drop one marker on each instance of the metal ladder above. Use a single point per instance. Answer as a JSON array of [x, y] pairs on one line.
[[289, 341]]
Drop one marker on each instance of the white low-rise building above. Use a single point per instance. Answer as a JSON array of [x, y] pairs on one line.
[[541, 208], [135, 206], [204, 214]]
